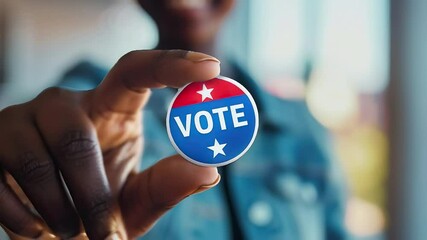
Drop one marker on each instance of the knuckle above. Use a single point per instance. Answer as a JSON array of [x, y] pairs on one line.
[[129, 56], [78, 147], [97, 216], [9, 114], [60, 96], [8, 111], [32, 171], [163, 56], [44, 99], [98, 209], [50, 92], [177, 53]]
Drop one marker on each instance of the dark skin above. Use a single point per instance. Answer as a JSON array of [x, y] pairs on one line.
[[188, 27], [93, 140]]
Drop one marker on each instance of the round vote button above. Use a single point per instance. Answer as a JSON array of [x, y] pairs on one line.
[[212, 123]]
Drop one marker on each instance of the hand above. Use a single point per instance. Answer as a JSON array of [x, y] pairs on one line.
[[86, 146]]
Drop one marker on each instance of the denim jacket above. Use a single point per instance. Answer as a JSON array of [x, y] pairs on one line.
[[287, 186]]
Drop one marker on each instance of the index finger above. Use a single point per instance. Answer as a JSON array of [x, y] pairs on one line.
[[125, 88]]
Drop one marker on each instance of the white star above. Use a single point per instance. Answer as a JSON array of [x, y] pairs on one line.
[[205, 92], [217, 148]]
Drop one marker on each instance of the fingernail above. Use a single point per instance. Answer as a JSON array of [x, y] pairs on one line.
[[113, 236], [209, 186], [81, 236], [46, 236], [199, 57]]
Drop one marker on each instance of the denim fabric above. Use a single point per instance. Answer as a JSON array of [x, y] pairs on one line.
[[287, 186], [3, 234]]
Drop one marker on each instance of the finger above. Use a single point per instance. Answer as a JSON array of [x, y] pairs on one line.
[[151, 193], [121, 161], [73, 143], [125, 88], [14, 215], [44, 235], [25, 157]]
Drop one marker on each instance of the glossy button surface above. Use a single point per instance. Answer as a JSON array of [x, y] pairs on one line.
[[212, 123]]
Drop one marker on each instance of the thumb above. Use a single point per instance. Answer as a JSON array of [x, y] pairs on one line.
[[125, 88], [149, 194]]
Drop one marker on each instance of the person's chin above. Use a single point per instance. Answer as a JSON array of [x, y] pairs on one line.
[[189, 10]]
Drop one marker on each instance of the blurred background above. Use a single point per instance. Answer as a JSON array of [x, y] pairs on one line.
[[335, 54]]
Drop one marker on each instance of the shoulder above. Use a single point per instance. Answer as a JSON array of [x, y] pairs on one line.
[[83, 75]]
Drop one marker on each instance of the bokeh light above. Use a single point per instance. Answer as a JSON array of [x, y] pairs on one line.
[[332, 101]]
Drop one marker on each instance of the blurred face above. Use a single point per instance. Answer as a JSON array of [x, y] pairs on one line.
[[188, 23]]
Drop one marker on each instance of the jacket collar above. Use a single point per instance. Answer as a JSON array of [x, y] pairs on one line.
[[266, 103]]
